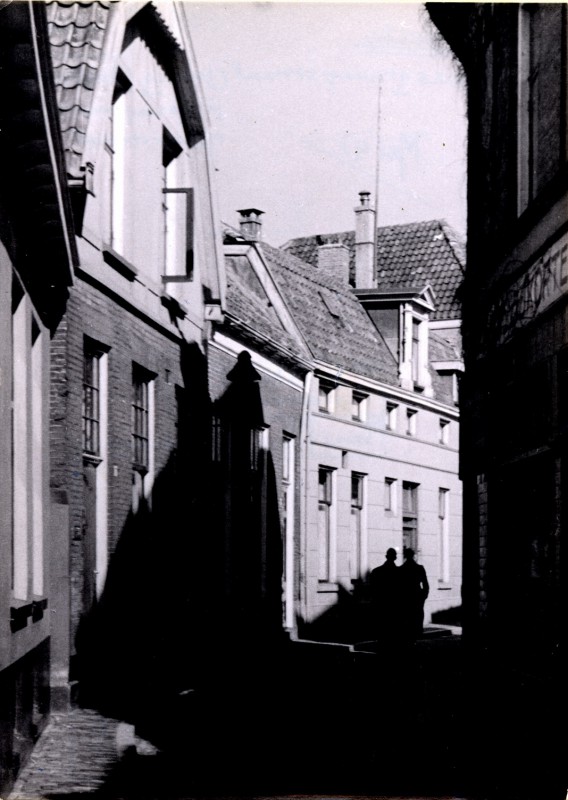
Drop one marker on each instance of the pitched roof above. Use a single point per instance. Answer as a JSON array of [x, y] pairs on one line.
[[76, 36], [330, 318], [418, 253], [248, 304]]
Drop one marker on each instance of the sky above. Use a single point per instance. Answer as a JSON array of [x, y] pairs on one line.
[[292, 95]]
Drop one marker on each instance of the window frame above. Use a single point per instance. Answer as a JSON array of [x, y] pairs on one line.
[[326, 392], [358, 525], [389, 495], [326, 532], [391, 416], [359, 405], [410, 514]]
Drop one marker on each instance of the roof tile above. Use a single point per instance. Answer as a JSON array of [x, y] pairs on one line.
[[429, 249]]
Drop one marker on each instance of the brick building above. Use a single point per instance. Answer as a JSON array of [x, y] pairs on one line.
[[513, 403], [37, 255], [129, 379]]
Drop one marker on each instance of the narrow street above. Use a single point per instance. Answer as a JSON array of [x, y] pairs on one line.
[[334, 721]]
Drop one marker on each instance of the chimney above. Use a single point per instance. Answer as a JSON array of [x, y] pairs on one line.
[[333, 258], [250, 223], [365, 224]]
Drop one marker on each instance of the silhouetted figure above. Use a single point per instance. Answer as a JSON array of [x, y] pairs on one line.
[[385, 596], [414, 589]]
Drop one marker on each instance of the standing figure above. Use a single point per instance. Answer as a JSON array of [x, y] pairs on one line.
[[414, 589], [385, 596]]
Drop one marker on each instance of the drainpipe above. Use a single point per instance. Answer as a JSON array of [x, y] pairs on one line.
[[304, 472]]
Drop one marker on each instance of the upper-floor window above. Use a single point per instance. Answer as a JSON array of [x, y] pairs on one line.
[[390, 495], [359, 406], [444, 431], [178, 212], [391, 416], [114, 167], [326, 397], [542, 103], [411, 417], [29, 437]]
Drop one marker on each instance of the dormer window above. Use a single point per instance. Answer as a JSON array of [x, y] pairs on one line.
[[414, 372], [326, 397]]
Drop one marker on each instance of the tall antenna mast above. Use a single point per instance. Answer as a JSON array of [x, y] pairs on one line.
[[378, 161]]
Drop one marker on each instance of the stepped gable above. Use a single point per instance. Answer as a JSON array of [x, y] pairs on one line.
[[76, 36], [417, 253], [248, 305], [331, 319]]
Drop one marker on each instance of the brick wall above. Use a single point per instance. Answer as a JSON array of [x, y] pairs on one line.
[[128, 339]]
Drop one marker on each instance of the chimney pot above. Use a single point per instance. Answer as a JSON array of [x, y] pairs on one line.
[[365, 228], [250, 223]]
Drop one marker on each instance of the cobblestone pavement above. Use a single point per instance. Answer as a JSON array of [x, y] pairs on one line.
[[85, 755], [75, 754]]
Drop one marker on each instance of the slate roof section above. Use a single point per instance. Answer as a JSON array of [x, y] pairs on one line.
[[418, 253], [349, 341], [76, 36]]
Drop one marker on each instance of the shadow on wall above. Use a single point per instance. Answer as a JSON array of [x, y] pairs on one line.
[[448, 616], [136, 646], [351, 619], [193, 591]]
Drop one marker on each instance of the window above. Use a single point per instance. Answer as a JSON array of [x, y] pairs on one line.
[[91, 400], [444, 431], [410, 515], [541, 138], [142, 410], [444, 553], [326, 397], [177, 208], [140, 420], [358, 406], [28, 426], [390, 495], [391, 416], [415, 351], [258, 444], [288, 450], [113, 166], [358, 543], [411, 416], [325, 525]]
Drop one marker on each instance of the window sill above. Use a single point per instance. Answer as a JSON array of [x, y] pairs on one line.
[[177, 279], [22, 610], [444, 587], [325, 587], [91, 458], [119, 263]]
